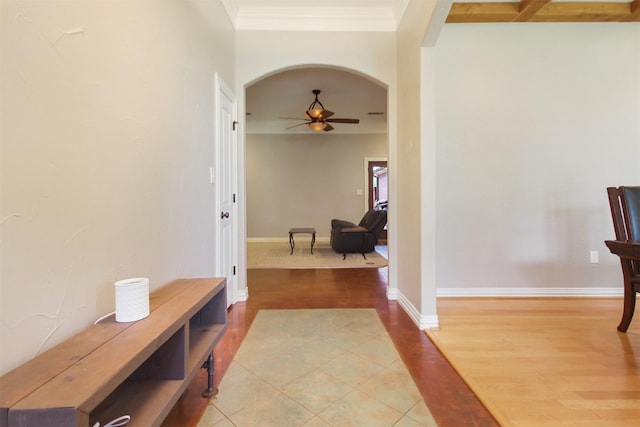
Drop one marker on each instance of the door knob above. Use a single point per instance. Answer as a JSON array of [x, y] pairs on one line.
[[224, 215]]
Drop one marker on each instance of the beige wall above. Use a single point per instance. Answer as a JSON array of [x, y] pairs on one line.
[[534, 121], [106, 144], [305, 180], [415, 291]]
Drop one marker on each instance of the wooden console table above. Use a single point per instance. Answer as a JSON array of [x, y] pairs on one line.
[[113, 369]]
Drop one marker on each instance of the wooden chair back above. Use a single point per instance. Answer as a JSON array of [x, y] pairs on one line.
[[625, 212]]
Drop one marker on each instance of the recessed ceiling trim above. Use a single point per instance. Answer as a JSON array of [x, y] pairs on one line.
[[319, 19]]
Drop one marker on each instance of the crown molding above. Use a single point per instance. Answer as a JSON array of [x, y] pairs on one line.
[[330, 15], [322, 19]]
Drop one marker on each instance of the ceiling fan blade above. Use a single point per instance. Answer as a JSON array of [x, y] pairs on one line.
[[328, 127], [326, 114], [354, 121], [292, 118], [295, 126]]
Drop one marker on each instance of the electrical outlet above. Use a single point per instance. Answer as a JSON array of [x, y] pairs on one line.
[[593, 256]]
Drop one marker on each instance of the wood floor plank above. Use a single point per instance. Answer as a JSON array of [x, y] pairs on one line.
[[560, 361]]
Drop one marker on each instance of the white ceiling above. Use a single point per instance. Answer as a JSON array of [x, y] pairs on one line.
[[289, 94]]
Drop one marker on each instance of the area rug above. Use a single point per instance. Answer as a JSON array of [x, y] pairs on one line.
[[334, 367], [278, 255]]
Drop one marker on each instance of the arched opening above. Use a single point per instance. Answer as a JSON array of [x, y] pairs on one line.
[[297, 177]]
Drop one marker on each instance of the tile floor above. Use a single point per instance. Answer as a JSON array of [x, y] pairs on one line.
[[317, 367]]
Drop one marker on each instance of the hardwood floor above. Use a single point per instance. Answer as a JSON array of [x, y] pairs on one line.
[[450, 400], [552, 362]]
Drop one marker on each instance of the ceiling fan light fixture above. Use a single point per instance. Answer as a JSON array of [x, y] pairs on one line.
[[317, 126], [316, 108], [315, 113], [318, 119]]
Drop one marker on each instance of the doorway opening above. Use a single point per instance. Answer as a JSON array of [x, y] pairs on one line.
[[284, 155], [378, 185]]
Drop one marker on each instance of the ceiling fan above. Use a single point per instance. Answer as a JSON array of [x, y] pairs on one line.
[[318, 119]]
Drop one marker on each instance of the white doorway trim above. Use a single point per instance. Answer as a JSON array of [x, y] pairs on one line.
[[224, 176], [367, 160]]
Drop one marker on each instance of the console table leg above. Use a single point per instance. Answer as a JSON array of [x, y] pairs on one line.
[[211, 390], [291, 243]]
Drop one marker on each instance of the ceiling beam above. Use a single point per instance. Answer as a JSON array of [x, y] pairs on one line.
[[544, 11], [583, 12], [528, 8], [483, 12], [634, 8]]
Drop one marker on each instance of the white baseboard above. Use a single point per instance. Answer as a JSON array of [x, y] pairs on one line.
[[432, 321], [530, 292], [422, 321], [242, 295], [280, 239]]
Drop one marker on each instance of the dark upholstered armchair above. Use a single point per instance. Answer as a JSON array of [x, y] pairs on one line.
[[625, 211], [347, 237]]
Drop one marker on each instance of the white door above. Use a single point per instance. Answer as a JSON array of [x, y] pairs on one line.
[[226, 184]]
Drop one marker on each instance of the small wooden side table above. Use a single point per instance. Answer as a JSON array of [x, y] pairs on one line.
[[304, 230]]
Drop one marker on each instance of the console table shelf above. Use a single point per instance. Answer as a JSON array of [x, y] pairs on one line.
[[113, 369]]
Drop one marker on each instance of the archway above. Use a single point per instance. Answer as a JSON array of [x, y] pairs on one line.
[[284, 186]]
